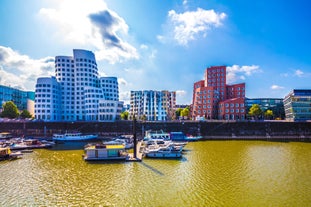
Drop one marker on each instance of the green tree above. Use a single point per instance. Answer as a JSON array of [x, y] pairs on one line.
[[268, 114], [178, 112], [255, 111], [125, 115], [143, 117], [9, 110], [185, 112], [25, 114]]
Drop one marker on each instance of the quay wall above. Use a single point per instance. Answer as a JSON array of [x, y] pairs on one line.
[[215, 130]]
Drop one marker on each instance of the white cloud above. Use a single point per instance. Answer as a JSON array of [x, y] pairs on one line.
[[21, 71], [143, 46], [236, 72], [276, 87], [90, 23], [122, 81], [181, 93], [190, 24], [299, 73]]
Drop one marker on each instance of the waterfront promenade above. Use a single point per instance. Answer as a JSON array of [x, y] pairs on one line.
[[212, 129]]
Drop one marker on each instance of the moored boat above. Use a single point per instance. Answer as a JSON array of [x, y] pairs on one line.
[[180, 136], [97, 152], [30, 144], [156, 135], [75, 136], [167, 150], [7, 154]]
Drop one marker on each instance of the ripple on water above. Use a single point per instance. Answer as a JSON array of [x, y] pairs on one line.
[[210, 174]]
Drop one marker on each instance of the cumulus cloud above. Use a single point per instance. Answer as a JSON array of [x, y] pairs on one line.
[[299, 73], [21, 71], [91, 23], [276, 87], [181, 93], [189, 25], [122, 81], [236, 72]]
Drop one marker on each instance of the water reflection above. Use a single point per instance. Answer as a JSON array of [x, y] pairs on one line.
[[212, 173]]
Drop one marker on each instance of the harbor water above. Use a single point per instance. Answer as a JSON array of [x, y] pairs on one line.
[[211, 173]]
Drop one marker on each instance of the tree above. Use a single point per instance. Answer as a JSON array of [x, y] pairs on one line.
[[25, 114], [185, 112], [268, 114], [143, 117], [124, 115], [255, 111], [9, 110], [178, 112]]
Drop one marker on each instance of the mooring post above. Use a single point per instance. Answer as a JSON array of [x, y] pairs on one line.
[[134, 136]]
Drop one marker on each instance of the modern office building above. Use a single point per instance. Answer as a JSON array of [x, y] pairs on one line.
[[153, 105], [22, 99], [274, 104], [77, 93], [212, 97], [297, 105]]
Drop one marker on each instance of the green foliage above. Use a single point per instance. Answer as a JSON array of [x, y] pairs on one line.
[[268, 114], [125, 115], [25, 114], [9, 110], [255, 111], [185, 112], [143, 117], [178, 112]]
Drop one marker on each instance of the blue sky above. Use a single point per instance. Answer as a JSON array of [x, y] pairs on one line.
[[162, 45]]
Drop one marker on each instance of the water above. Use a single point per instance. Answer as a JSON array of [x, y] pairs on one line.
[[211, 173]]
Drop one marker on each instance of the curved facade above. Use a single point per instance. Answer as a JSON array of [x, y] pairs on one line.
[[110, 88], [47, 99], [80, 89]]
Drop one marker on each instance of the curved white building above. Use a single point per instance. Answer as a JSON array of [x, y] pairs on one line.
[[81, 89], [48, 99]]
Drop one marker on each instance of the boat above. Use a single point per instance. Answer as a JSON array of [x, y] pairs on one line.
[[75, 136], [166, 151], [180, 136], [156, 135], [7, 154], [24, 144], [100, 151], [163, 149]]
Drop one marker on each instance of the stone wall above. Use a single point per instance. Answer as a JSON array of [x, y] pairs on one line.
[[210, 129]]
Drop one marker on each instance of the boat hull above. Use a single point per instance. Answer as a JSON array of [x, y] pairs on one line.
[[163, 155], [75, 138]]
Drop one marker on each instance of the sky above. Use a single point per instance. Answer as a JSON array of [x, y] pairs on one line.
[[162, 45]]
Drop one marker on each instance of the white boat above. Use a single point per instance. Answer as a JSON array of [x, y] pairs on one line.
[[156, 136], [127, 144], [164, 151], [97, 152], [76, 136]]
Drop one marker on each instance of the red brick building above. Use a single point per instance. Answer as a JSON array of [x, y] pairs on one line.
[[212, 94]]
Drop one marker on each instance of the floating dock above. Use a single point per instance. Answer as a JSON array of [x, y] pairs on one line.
[[139, 154]]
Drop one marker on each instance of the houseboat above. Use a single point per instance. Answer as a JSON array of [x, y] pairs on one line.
[[7, 154], [98, 151]]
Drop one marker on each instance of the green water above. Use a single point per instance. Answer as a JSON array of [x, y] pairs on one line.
[[211, 173]]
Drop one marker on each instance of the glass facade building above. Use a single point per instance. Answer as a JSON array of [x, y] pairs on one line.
[[274, 104], [297, 105], [19, 97]]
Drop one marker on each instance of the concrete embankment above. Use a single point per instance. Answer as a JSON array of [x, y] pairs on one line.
[[212, 130]]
